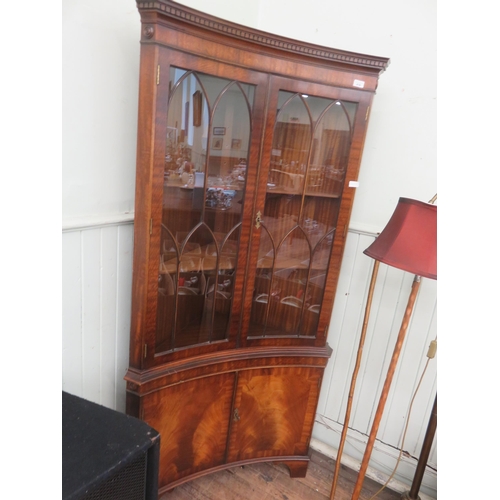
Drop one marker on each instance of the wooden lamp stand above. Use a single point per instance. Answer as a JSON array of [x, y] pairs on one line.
[[386, 388], [408, 242]]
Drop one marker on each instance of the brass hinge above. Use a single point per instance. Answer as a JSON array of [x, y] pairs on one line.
[[367, 113], [158, 75], [145, 350], [151, 226]]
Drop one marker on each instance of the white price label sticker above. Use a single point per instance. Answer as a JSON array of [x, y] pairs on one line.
[[358, 83], [353, 184]]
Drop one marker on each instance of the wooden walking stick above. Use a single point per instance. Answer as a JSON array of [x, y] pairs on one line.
[[354, 377]]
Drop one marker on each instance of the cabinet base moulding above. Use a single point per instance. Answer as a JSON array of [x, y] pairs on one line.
[[296, 465]]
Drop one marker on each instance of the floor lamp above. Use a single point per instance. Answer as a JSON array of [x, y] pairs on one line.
[[408, 242]]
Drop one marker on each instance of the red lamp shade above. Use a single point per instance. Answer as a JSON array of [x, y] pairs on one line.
[[409, 241]]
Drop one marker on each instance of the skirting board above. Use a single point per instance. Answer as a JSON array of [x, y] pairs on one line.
[[355, 465]]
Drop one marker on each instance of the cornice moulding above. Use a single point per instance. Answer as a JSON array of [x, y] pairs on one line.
[[237, 31]]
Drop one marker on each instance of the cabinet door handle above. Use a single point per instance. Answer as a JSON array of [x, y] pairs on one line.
[[258, 219], [236, 415]]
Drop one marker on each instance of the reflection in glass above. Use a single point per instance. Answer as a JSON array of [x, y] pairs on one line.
[[291, 143], [316, 284], [288, 283], [309, 158], [206, 154], [332, 137], [167, 279]]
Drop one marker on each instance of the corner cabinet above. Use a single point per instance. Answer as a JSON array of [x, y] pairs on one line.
[[247, 146]]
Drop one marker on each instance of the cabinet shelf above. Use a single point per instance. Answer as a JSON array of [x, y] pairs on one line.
[[297, 192]]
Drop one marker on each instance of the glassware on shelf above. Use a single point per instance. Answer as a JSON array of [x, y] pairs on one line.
[[292, 301], [219, 198]]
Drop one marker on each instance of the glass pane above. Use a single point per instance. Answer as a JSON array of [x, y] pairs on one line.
[[316, 285], [289, 284], [317, 217], [330, 152], [291, 143], [175, 75], [227, 162], [318, 220], [213, 87], [260, 300], [316, 105], [191, 287], [309, 157], [167, 287], [218, 268], [207, 148]]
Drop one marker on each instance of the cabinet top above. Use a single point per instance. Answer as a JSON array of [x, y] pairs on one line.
[[178, 13]]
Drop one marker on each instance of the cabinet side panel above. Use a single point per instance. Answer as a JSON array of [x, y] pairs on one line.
[[275, 409], [193, 420], [145, 137], [133, 405]]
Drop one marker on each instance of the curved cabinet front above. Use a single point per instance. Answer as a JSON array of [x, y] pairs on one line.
[[218, 411], [194, 417], [274, 412]]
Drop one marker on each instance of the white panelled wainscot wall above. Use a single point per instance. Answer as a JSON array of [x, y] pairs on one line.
[[97, 286], [100, 88]]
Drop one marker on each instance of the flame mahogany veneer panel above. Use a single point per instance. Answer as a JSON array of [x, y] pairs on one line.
[[193, 417], [276, 409]]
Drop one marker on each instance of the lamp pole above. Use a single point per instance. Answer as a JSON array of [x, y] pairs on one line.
[[387, 385], [424, 456]]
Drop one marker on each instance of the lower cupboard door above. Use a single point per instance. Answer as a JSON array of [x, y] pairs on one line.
[[274, 412], [192, 419]]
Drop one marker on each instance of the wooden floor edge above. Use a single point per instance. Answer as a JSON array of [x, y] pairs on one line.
[[329, 452]]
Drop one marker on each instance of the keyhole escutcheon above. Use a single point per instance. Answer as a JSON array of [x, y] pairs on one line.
[[236, 415]]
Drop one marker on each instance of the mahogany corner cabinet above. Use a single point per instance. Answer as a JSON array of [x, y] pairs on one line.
[[248, 147]]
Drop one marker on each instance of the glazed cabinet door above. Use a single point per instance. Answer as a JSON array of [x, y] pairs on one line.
[[192, 419], [206, 159], [310, 133], [205, 170], [274, 410]]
